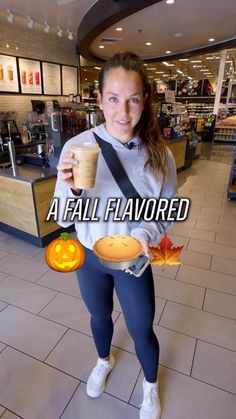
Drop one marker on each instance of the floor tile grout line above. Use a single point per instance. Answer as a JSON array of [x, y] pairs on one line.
[[200, 309], [194, 352], [11, 411], [201, 286], [49, 302], [52, 349], [162, 312], [213, 385], [221, 315], [136, 381], [63, 411], [204, 297], [197, 337]]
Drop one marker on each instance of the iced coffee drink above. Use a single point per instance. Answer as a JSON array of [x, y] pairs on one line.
[[84, 172]]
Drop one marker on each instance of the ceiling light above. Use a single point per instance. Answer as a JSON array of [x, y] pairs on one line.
[[179, 71], [178, 34], [205, 71], [190, 78], [197, 66], [101, 46], [145, 64], [10, 17], [211, 39], [148, 43], [30, 22], [119, 29], [98, 68], [17, 47], [70, 35], [210, 58], [7, 45], [183, 59], [167, 64], [168, 52], [170, 1], [196, 61], [46, 27], [59, 31], [159, 72]]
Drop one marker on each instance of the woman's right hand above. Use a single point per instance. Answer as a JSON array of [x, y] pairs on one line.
[[64, 169]]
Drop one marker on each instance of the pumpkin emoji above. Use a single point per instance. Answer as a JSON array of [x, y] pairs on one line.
[[65, 254]]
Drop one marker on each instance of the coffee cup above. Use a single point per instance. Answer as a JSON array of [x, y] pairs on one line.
[[85, 169]]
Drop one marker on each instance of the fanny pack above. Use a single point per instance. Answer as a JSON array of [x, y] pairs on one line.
[[116, 169]]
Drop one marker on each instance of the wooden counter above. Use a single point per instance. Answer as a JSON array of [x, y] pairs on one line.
[[178, 148], [24, 203]]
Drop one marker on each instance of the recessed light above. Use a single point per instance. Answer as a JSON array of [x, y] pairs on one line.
[[119, 29], [197, 66], [101, 46], [148, 43], [178, 34], [159, 72], [7, 45], [170, 1], [209, 58], [211, 39], [168, 52], [196, 61], [167, 64], [183, 59]]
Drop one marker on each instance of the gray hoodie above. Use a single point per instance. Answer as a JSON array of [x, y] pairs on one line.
[[147, 185]]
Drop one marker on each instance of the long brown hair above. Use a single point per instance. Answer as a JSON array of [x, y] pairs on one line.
[[147, 128]]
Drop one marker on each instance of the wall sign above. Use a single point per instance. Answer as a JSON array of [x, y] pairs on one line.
[[8, 74], [51, 79], [30, 76], [69, 80]]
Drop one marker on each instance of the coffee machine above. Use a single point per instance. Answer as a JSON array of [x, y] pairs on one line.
[[64, 123], [8, 121]]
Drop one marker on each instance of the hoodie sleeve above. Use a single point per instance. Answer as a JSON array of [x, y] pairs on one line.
[[154, 230]]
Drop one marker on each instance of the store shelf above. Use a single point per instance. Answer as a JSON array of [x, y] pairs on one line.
[[225, 133], [231, 190]]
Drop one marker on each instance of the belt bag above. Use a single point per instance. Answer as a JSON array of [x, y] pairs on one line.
[[117, 170]]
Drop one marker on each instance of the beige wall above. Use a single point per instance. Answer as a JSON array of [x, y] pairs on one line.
[[35, 44]]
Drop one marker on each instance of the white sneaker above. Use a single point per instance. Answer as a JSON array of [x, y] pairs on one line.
[[97, 379], [150, 407]]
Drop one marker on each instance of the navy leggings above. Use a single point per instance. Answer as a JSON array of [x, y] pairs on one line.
[[136, 297]]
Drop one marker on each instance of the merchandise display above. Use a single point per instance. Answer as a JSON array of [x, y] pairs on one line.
[[231, 191]]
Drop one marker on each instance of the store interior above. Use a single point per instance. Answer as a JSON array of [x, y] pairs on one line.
[[51, 53]]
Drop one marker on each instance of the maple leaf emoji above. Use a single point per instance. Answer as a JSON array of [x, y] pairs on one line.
[[165, 254]]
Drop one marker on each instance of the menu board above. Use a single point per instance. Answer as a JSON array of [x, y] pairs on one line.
[[8, 74], [69, 80], [30, 76], [51, 79]]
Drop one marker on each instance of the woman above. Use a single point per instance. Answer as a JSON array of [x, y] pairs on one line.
[[130, 127]]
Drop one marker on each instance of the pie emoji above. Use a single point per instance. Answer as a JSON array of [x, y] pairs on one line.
[[117, 248]]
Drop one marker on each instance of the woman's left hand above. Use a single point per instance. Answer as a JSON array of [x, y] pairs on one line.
[[145, 246]]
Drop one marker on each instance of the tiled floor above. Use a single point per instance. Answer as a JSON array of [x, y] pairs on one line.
[[46, 348]]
